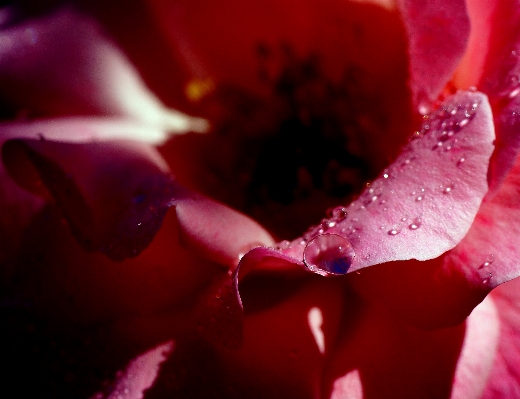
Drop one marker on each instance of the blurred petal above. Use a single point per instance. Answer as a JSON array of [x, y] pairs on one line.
[[438, 32], [63, 65]]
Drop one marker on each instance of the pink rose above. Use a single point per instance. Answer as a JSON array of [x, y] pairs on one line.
[[121, 280]]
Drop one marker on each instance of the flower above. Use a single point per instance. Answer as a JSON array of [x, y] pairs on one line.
[[95, 277]]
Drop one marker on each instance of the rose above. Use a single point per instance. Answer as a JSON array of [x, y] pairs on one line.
[[300, 378]]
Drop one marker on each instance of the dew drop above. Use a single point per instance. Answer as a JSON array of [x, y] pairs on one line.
[[465, 121], [328, 254], [448, 189], [513, 93], [489, 260], [419, 198], [339, 213], [393, 232], [415, 224], [460, 162]]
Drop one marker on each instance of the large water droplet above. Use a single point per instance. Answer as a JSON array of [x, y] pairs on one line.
[[489, 260], [328, 254]]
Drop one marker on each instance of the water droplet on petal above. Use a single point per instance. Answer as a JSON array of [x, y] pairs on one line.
[[489, 260], [419, 198], [394, 231], [448, 189], [328, 254], [513, 93], [339, 213], [415, 224], [461, 161]]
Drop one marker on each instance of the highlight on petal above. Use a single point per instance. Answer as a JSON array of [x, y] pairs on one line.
[[62, 64], [426, 201], [438, 33], [83, 130], [139, 375]]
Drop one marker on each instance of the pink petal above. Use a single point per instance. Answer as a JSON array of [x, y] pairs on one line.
[[443, 291], [438, 33], [504, 381], [426, 201], [63, 65], [139, 375]]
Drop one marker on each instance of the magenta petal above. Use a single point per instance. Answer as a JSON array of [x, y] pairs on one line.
[[438, 32], [426, 201], [139, 375], [114, 195]]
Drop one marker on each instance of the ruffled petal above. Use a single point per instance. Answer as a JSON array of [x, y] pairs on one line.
[[438, 33], [63, 65]]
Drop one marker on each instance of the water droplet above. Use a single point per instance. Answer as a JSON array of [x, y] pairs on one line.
[[385, 175], [394, 231], [513, 93], [328, 254], [415, 224], [448, 189], [419, 198], [489, 260], [465, 121], [339, 213], [461, 161], [487, 279], [439, 144]]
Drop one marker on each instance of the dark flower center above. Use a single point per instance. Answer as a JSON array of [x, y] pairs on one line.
[[287, 156]]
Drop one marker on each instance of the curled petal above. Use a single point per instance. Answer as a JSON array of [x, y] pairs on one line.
[[438, 32]]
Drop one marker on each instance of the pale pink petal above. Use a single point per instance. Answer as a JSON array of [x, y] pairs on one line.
[[63, 65], [139, 375], [478, 351], [83, 129], [438, 32], [426, 201]]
